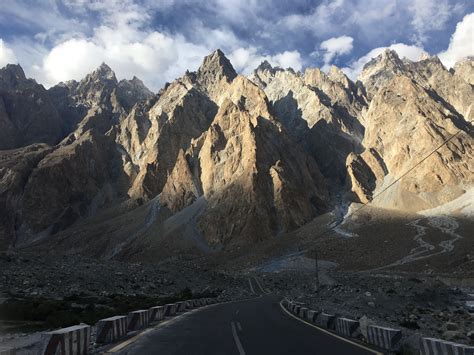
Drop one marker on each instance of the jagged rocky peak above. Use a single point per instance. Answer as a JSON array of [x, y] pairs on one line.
[[387, 60], [338, 76], [214, 68], [103, 76], [131, 91], [104, 73], [265, 65], [263, 74], [380, 70], [465, 69], [315, 77], [97, 87], [12, 75], [27, 114], [431, 60]]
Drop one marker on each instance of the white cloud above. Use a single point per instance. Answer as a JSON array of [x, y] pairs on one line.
[[411, 52], [336, 46], [7, 56], [287, 59], [71, 60], [319, 21], [429, 15], [462, 42], [245, 60], [155, 57]]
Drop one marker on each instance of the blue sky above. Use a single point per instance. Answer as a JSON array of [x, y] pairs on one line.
[[57, 40]]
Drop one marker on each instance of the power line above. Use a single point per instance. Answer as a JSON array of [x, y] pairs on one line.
[[394, 182]]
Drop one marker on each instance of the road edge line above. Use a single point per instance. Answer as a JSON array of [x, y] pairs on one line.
[[329, 333]]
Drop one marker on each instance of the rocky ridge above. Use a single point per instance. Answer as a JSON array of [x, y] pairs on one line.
[[233, 160]]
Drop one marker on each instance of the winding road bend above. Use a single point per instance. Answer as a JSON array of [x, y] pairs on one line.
[[257, 326]]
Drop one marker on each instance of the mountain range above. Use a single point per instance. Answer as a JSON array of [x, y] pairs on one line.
[[216, 159]]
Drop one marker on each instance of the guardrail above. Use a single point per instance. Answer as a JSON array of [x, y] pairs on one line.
[[387, 339], [7, 351], [67, 341], [111, 329], [432, 346], [77, 340]]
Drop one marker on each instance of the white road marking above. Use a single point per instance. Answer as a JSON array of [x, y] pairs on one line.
[[251, 287], [239, 326], [240, 348], [127, 342], [237, 311]]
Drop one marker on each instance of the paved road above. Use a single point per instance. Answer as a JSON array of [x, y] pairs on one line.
[[257, 326]]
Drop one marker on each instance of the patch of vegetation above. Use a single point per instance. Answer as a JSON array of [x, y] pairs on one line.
[[79, 309]]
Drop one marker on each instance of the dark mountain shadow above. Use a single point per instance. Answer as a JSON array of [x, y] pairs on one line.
[[325, 142]]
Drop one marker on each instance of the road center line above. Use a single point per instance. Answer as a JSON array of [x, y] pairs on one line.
[[240, 348], [239, 326], [237, 311]]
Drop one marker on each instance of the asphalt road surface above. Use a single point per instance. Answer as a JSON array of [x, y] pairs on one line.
[[257, 326]]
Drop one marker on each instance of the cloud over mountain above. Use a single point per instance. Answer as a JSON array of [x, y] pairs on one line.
[[159, 40]]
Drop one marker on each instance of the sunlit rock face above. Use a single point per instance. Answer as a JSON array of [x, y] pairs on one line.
[[243, 159]]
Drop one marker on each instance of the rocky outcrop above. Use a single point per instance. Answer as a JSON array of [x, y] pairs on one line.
[[255, 180], [27, 114], [465, 70], [217, 159], [129, 92], [180, 114], [71, 182], [379, 71], [16, 166], [404, 124], [80, 174], [317, 109], [99, 92], [211, 135], [428, 72]]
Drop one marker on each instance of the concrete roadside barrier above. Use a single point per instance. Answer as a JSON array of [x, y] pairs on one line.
[[7, 351], [180, 307], [433, 346], [311, 315], [189, 304], [157, 313], [326, 320], [67, 341], [385, 338], [111, 329], [303, 312], [296, 309], [138, 319], [170, 309], [347, 327]]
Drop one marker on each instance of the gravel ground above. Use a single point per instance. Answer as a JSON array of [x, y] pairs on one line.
[[40, 293], [420, 305]]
